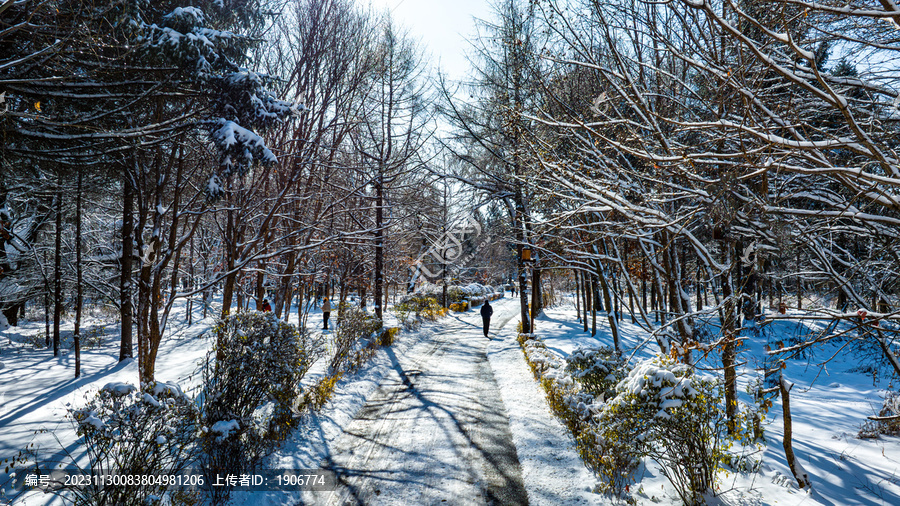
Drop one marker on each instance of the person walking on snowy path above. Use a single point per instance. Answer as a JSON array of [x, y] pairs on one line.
[[266, 307], [326, 312], [486, 312]]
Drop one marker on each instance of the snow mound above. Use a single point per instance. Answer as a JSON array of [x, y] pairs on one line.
[[224, 428], [161, 389], [149, 399], [89, 418], [118, 389]]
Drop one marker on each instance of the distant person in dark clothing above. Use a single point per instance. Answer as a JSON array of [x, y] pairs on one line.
[[266, 307], [326, 312], [486, 312]]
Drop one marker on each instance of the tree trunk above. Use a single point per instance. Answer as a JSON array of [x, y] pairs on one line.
[[585, 288], [799, 282], [699, 289], [799, 473], [79, 290], [595, 301], [260, 284], [191, 283], [577, 295], [729, 317], [644, 283], [662, 297], [228, 289], [379, 241], [154, 336], [232, 278], [535, 292], [616, 295], [523, 290], [610, 312], [57, 268], [46, 310], [631, 297], [125, 285]]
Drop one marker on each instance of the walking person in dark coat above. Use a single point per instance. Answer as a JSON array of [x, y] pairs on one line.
[[486, 312]]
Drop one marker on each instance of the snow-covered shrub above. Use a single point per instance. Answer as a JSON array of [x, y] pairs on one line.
[[609, 458], [353, 338], [250, 385], [405, 313], [131, 431], [597, 370], [891, 427], [456, 294], [473, 293], [427, 308], [476, 294], [434, 312], [539, 357], [664, 411], [562, 392], [418, 302]]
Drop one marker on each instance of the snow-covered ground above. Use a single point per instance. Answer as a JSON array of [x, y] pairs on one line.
[[37, 389], [828, 407]]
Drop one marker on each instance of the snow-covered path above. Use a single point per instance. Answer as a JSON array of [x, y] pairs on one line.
[[436, 429], [444, 416]]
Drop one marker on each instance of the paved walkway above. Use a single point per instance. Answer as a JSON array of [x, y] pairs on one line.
[[436, 430]]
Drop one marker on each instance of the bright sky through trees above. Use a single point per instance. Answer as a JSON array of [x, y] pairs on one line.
[[441, 26]]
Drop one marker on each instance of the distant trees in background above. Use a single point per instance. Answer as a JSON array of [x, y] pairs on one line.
[[696, 159], [210, 143], [677, 161]]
